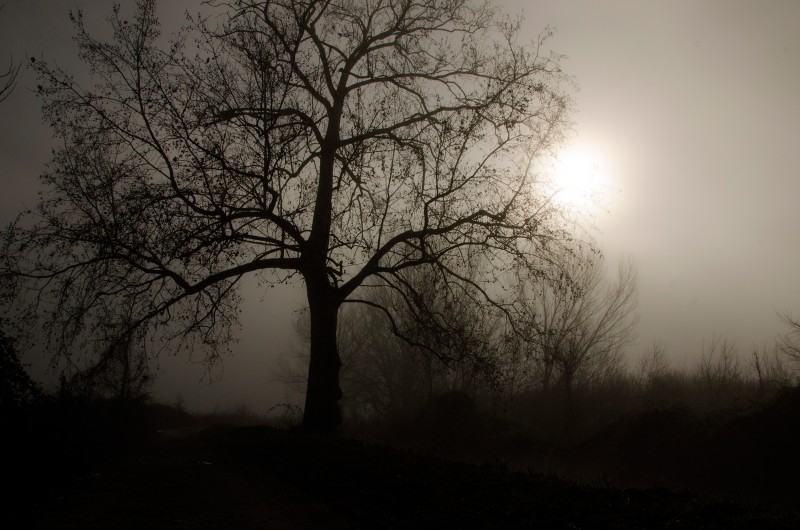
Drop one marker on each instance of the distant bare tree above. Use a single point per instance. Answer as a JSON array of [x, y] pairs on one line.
[[719, 365], [16, 386], [447, 323], [770, 369], [653, 365], [789, 342], [339, 142], [400, 362], [579, 322], [123, 372], [720, 373], [380, 373]]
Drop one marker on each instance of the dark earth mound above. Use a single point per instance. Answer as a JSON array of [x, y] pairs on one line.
[[741, 454], [258, 477]]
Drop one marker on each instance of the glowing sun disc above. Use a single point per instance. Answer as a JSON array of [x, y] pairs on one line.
[[578, 177]]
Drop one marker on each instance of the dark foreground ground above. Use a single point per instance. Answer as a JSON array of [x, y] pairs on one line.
[[258, 477]]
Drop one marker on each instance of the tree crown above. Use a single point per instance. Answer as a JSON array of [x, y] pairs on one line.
[[344, 141]]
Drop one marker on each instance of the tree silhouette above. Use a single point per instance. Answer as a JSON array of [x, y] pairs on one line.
[[579, 321], [436, 343], [16, 386], [342, 142], [789, 341]]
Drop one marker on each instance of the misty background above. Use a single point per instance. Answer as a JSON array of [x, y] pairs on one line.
[[690, 108]]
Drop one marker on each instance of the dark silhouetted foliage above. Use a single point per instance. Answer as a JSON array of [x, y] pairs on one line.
[[17, 389]]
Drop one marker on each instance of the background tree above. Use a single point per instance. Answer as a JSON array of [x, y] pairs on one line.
[[380, 373], [121, 372], [719, 366], [402, 362], [789, 341], [769, 366], [16, 386], [579, 322], [339, 141]]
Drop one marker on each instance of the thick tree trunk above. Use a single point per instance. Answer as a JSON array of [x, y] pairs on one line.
[[322, 413]]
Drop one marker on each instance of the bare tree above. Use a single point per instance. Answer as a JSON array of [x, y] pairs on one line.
[[16, 386], [653, 365], [396, 364], [8, 79], [789, 342], [123, 373], [719, 365], [380, 373], [446, 323], [768, 365], [579, 322], [340, 142]]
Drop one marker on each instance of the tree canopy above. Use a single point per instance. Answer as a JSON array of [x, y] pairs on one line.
[[341, 142]]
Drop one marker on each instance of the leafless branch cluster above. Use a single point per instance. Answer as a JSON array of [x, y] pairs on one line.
[[8, 78], [790, 340], [344, 142], [578, 321]]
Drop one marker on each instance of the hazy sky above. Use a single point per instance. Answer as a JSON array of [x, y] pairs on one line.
[[694, 107], [689, 108]]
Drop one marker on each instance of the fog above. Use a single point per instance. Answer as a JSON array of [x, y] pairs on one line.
[[693, 103], [691, 107]]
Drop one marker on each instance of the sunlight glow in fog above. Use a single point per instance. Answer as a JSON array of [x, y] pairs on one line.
[[579, 178]]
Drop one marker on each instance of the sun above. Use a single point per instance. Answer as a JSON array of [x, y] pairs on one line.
[[578, 178]]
